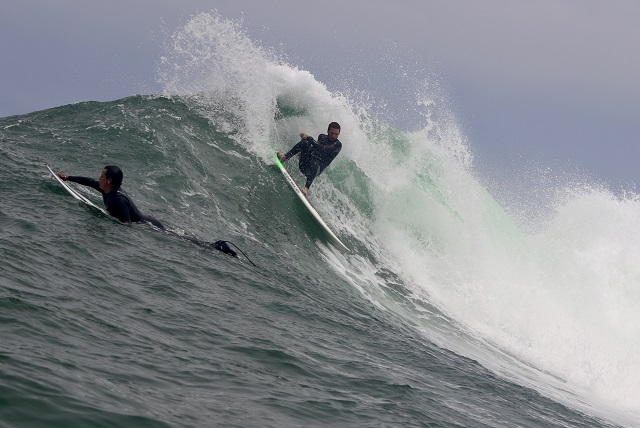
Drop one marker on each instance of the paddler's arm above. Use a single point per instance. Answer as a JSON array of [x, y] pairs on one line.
[[85, 181]]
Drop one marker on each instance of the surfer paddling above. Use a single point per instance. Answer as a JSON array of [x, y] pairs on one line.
[[116, 201], [120, 206], [315, 156]]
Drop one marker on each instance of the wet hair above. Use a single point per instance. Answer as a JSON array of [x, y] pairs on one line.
[[334, 125], [115, 175]]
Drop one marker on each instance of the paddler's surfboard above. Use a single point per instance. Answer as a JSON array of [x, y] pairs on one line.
[[312, 211], [75, 194]]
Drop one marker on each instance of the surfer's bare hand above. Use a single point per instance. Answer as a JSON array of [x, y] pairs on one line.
[[303, 136], [305, 190], [63, 177]]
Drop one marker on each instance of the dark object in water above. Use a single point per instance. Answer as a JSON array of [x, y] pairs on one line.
[[224, 247]]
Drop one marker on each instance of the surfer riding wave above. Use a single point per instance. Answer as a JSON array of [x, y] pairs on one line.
[[315, 156]]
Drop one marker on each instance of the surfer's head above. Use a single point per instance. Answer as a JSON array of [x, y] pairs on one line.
[[333, 131], [111, 178]]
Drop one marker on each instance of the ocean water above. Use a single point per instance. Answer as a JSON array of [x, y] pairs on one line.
[[447, 312]]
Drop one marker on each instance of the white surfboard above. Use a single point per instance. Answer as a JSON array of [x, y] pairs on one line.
[[75, 194], [312, 211]]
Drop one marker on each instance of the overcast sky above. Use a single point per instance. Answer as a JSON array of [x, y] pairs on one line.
[[553, 81]]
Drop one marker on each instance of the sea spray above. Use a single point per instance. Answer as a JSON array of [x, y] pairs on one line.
[[558, 301]]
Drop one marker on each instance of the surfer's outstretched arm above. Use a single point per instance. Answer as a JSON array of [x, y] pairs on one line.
[[84, 181]]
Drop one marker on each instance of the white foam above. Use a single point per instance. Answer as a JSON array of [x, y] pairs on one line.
[[564, 300]]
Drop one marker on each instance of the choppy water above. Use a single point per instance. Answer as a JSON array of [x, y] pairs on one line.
[[444, 314]]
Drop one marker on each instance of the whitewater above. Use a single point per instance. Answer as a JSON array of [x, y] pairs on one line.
[[455, 307]]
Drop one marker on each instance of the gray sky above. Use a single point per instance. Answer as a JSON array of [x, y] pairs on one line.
[[550, 81]]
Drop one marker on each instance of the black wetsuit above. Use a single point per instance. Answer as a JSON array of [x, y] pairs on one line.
[[118, 203], [314, 156]]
